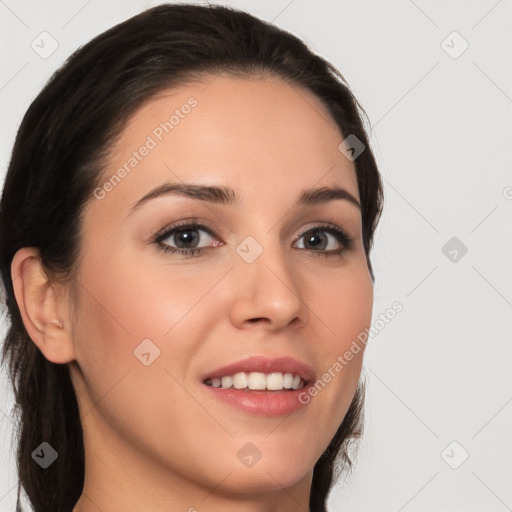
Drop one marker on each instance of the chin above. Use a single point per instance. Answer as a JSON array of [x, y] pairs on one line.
[[265, 479]]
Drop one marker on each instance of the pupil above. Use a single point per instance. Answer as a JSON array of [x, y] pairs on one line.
[[311, 240], [185, 237]]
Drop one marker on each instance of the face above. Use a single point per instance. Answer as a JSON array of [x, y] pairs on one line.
[[267, 279]]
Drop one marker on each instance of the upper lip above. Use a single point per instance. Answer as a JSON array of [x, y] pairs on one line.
[[265, 365]]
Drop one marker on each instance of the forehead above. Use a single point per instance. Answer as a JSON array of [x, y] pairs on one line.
[[264, 137]]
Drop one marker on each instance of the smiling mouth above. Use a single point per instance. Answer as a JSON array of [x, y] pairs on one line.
[[258, 381]]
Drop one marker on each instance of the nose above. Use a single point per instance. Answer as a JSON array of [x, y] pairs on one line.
[[267, 291]]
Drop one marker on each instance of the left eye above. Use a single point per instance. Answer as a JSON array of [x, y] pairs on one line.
[[318, 238]]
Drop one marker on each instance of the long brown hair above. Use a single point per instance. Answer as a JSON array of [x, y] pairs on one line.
[[56, 163]]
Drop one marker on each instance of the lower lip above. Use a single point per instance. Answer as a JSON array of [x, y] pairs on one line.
[[261, 403]]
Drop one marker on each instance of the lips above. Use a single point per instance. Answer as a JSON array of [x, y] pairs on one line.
[[265, 365]]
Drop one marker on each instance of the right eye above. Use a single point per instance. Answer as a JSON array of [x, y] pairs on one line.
[[182, 235]]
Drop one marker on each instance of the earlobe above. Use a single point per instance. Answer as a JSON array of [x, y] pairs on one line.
[[39, 307]]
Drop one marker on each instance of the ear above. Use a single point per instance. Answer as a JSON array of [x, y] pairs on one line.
[[42, 307]]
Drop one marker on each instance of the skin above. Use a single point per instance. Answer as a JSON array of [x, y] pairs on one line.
[[154, 438]]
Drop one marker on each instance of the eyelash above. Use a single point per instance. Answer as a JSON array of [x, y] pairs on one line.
[[332, 229]]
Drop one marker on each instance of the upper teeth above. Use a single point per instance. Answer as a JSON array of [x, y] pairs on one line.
[[257, 380]]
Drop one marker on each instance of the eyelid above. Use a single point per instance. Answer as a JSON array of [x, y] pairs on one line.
[[322, 225], [193, 221]]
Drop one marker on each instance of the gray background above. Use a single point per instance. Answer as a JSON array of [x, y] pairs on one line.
[[441, 131]]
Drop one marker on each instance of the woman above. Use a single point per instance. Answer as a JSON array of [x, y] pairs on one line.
[[186, 227]]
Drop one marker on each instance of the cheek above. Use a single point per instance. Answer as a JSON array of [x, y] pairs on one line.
[[130, 299], [116, 313], [344, 308], [345, 316], [126, 300]]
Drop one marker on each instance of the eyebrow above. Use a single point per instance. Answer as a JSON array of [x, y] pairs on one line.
[[227, 196]]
